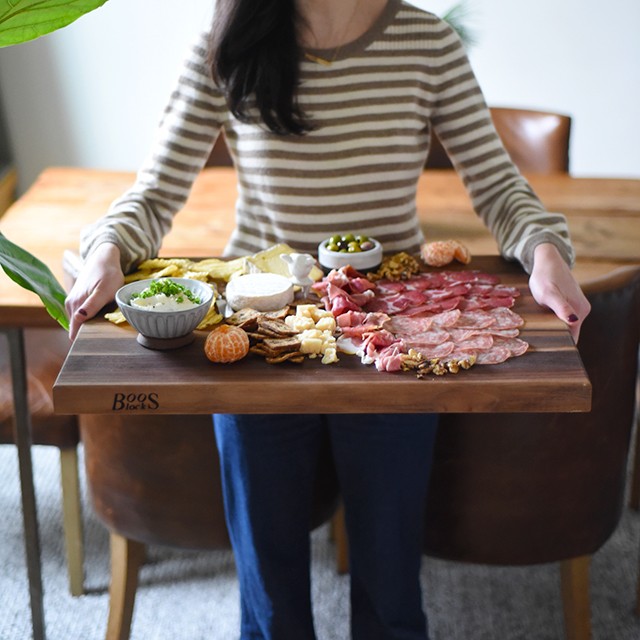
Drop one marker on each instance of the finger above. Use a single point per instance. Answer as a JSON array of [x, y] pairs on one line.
[[85, 311], [566, 312]]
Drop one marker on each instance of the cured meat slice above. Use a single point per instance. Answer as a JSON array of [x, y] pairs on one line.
[[473, 303], [516, 346], [447, 318], [430, 352], [495, 355], [405, 324], [425, 338], [424, 281], [384, 287], [390, 358], [475, 320], [479, 342], [506, 319]]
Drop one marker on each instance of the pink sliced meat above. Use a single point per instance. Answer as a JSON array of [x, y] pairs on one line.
[[479, 342], [351, 318], [432, 351], [390, 358], [422, 310], [389, 286], [447, 318], [506, 319], [423, 281], [404, 324], [425, 338], [446, 292], [475, 320], [340, 304], [359, 285], [516, 346], [499, 301], [495, 355]]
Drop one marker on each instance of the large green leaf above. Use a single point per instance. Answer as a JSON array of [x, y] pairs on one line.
[[32, 274], [22, 20]]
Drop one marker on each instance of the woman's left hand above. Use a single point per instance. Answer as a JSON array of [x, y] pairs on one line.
[[552, 285]]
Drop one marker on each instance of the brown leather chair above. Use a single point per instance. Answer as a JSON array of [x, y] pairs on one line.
[[45, 350], [521, 489], [156, 480], [537, 141]]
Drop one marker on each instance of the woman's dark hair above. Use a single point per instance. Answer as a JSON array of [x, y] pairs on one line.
[[255, 59]]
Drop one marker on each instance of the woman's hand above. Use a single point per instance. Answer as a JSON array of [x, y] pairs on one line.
[[95, 286], [553, 285]]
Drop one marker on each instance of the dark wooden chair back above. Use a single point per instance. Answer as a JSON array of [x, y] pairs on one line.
[[537, 141]]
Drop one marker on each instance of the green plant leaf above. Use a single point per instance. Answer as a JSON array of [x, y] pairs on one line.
[[32, 274], [457, 17], [22, 20]]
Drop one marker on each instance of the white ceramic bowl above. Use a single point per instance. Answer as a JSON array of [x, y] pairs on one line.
[[360, 260], [164, 324]]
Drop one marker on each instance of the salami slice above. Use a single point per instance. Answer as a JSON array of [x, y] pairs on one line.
[[479, 342], [516, 346], [495, 355], [475, 320], [506, 319], [406, 325], [432, 351], [425, 338]]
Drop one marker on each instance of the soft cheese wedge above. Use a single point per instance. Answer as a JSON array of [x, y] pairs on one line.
[[259, 291], [269, 261]]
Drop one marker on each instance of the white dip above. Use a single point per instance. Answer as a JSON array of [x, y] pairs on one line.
[[163, 302]]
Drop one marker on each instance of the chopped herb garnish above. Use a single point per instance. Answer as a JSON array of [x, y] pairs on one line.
[[169, 288]]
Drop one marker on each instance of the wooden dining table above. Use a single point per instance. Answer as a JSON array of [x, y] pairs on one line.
[[604, 218]]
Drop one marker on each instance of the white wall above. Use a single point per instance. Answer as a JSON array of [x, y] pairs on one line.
[[91, 94]]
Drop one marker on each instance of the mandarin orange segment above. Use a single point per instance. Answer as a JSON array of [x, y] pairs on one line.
[[442, 252], [226, 343], [437, 254]]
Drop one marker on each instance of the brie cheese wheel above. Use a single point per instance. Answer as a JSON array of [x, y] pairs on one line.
[[259, 291]]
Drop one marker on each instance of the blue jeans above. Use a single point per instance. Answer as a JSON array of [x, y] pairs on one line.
[[268, 464]]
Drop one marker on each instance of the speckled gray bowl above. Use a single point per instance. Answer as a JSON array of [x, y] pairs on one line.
[[164, 325]]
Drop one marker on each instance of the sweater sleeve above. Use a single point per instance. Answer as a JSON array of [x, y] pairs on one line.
[[501, 197], [138, 220]]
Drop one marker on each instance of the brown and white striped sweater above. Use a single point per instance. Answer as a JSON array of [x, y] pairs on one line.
[[373, 109]]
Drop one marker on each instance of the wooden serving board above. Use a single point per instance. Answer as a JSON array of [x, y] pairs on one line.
[[108, 371]]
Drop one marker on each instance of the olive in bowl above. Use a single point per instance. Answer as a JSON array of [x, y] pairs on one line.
[[165, 311], [361, 252]]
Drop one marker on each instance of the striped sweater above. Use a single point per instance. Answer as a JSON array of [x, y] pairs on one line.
[[373, 109]]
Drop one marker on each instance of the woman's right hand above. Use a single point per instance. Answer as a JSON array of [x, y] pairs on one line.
[[96, 286]]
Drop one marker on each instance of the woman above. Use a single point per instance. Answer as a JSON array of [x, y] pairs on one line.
[[327, 106]]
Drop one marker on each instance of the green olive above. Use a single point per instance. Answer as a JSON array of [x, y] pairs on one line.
[[348, 237]]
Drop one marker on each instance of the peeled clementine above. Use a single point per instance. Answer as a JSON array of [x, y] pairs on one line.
[[226, 343]]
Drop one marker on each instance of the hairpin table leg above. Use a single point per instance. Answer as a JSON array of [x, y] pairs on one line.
[[22, 433]]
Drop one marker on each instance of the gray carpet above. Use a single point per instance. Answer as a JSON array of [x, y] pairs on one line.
[[193, 596]]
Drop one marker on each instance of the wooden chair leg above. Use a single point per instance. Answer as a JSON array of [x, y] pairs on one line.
[[72, 519], [126, 558], [339, 533], [574, 574]]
